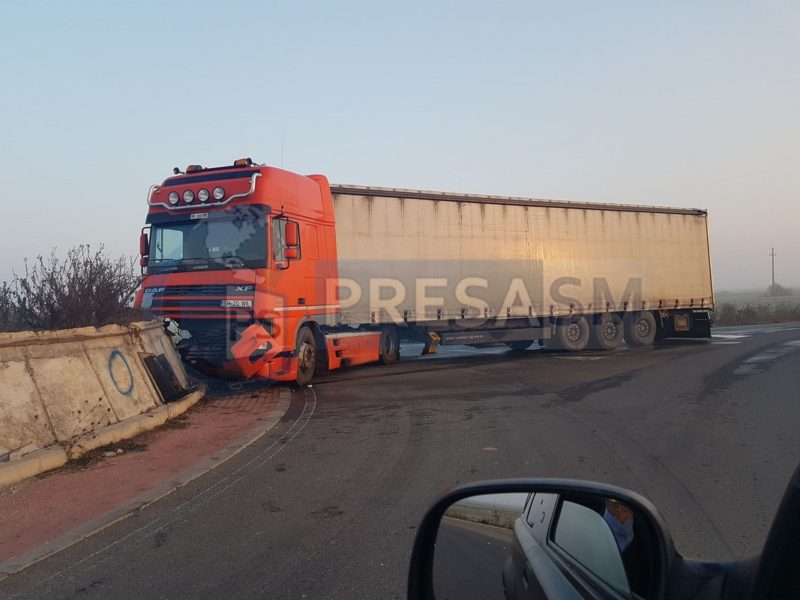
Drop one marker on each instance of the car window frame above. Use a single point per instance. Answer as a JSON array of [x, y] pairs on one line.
[[574, 570]]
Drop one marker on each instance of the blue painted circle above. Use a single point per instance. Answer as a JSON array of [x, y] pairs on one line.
[[116, 354]]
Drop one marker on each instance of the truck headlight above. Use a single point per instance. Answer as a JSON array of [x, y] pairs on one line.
[[173, 198], [202, 195], [188, 196], [219, 193]]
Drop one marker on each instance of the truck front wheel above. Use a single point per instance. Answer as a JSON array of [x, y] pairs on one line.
[[306, 356], [572, 334], [640, 329]]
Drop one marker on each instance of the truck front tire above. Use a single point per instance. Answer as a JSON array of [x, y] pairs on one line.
[[306, 356], [640, 329]]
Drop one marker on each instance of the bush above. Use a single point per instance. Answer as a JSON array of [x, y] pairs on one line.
[[85, 288], [730, 314], [6, 308]]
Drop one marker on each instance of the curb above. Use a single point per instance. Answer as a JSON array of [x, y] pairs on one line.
[[53, 457], [32, 464]]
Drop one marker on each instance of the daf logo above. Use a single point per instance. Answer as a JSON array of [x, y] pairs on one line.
[[153, 290]]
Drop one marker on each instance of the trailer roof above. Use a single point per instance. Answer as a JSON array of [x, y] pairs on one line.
[[360, 190]]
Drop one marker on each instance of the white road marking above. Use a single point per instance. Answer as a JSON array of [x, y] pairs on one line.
[[724, 343]]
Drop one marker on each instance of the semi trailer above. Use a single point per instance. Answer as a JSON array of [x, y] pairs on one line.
[[261, 272]]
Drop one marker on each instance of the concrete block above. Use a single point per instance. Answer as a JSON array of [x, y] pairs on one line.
[[123, 379], [23, 420], [71, 394]]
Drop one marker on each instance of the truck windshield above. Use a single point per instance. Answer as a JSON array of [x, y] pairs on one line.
[[207, 242]]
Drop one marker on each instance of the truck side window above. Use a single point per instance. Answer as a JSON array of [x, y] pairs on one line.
[[169, 244]]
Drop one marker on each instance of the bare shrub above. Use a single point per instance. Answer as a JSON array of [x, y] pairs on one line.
[[85, 288], [6, 308], [725, 314]]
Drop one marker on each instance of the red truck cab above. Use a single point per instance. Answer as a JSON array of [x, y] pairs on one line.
[[241, 259]]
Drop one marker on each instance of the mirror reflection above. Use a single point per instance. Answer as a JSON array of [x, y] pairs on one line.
[[543, 545]]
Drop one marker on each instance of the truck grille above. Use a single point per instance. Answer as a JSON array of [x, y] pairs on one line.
[[217, 301]]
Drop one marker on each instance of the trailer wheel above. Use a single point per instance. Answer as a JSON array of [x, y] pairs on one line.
[[640, 329], [306, 356], [572, 334], [389, 346], [608, 330]]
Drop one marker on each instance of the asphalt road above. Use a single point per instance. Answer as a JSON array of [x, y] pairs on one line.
[[469, 560], [326, 504]]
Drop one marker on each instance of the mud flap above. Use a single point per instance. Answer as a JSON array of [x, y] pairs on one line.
[[248, 353]]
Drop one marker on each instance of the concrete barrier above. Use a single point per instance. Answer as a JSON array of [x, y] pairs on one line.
[[57, 387], [476, 511]]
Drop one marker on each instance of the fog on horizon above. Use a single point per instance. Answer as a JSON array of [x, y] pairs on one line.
[[686, 104]]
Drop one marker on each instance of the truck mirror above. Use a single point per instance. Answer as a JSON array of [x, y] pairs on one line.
[[144, 244], [292, 234], [291, 253]]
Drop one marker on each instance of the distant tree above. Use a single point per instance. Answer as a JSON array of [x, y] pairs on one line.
[[778, 290], [85, 288]]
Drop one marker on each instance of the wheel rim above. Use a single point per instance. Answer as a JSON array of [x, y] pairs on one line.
[[573, 332], [643, 328], [610, 330], [306, 357]]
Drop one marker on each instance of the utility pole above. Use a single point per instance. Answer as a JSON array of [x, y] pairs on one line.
[[773, 255]]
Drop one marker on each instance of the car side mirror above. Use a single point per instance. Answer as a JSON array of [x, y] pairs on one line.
[[541, 538]]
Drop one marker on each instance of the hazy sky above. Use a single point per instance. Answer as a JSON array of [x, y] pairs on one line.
[[680, 103]]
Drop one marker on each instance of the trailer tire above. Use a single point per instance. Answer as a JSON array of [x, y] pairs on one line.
[[307, 356], [640, 329], [608, 331], [572, 334], [389, 350]]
